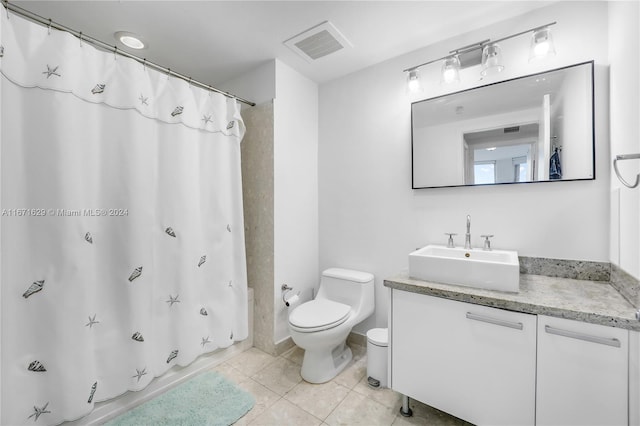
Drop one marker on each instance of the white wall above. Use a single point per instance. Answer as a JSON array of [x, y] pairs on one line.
[[295, 188], [295, 174], [257, 85], [370, 218], [624, 46]]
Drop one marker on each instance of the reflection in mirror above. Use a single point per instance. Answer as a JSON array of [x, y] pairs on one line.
[[530, 129], [503, 155]]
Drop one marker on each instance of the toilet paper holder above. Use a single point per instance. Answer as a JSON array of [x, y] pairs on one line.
[[286, 289]]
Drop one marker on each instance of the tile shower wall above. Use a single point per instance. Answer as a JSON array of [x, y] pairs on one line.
[[257, 192], [370, 218]]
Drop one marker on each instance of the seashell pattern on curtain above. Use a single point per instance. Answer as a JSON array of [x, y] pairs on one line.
[[122, 229]]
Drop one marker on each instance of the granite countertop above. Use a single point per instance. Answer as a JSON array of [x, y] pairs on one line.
[[589, 301]]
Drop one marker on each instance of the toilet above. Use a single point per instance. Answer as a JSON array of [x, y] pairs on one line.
[[321, 326]]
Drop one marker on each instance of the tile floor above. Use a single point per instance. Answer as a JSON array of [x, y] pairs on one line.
[[283, 398]]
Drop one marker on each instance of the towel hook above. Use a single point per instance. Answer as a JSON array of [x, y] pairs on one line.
[[615, 167]]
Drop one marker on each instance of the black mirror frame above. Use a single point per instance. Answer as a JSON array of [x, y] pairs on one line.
[[593, 134]]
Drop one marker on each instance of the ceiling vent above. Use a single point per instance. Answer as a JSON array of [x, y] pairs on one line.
[[318, 42]]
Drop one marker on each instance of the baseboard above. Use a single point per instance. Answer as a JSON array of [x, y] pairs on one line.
[[283, 345], [357, 339], [287, 343]]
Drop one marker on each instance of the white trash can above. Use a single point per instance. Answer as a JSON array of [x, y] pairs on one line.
[[377, 347]]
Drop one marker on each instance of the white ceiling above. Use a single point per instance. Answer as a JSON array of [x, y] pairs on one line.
[[214, 41]]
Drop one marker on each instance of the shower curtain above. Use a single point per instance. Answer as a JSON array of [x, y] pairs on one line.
[[122, 249]]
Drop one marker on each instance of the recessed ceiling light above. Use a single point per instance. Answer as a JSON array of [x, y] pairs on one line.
[[129, 39]]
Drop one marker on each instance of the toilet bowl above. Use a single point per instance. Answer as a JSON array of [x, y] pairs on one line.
[[321, 326]]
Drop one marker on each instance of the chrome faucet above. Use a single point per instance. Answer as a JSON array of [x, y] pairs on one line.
[[467, 236]]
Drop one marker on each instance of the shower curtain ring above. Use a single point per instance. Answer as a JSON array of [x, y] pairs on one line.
[[144, 64], [49, 27], [115, 52], [80, 37], [189, 82]]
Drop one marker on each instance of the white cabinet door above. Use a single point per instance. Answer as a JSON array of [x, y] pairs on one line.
[[471, 361], [582, 373], [634, 378]]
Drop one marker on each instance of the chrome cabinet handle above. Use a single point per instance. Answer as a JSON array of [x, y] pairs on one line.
[[496, 321], [581, 336]]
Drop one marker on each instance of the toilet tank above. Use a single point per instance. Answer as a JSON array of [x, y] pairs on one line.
[[354, 288]]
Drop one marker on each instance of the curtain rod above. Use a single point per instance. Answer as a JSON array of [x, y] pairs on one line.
[[113, 48]]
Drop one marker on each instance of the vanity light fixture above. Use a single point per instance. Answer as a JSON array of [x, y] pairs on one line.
[[413, 81], [491, 60], [451, 70], [486, 53], [130, 40], [541, 44]]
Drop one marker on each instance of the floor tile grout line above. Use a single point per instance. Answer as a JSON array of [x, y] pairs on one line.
[[327, 416], [267, 406], [356, 389], [275, 358], [350, 390], [263, 411], [337, 405]]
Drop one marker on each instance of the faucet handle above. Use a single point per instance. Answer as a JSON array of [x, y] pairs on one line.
[[487, 242], [450, 242]]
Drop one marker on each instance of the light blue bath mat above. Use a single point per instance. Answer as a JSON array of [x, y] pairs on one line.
[[208, 399]]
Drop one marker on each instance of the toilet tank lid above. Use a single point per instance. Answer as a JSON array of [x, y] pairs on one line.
[[348, 274]]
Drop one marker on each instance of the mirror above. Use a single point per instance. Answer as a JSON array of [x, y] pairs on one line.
[[537, 128]]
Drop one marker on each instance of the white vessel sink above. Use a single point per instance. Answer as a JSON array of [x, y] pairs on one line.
[[491, 270]]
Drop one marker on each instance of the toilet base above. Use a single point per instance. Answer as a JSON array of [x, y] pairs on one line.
[[322, 365]]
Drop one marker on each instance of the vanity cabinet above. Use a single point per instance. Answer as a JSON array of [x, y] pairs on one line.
[[582, 373], [496, 367], [474, 362]]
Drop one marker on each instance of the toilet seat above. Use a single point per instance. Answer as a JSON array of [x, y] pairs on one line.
[[318, 315]]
